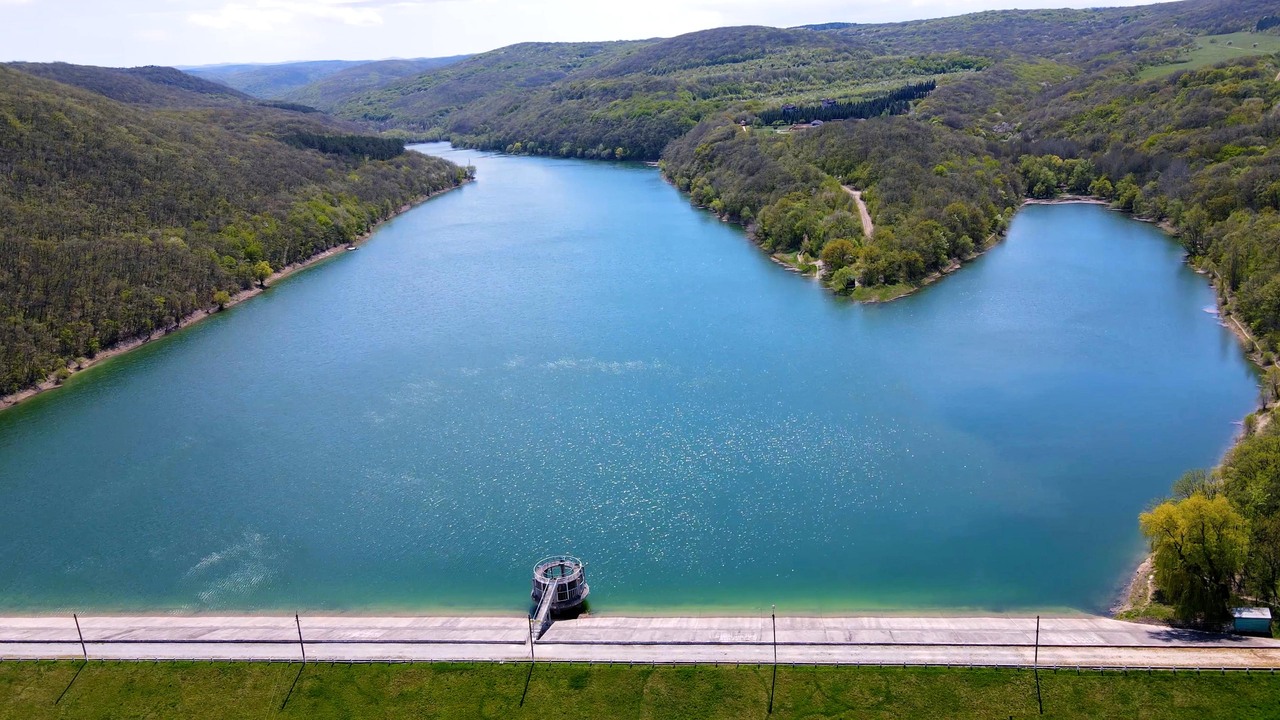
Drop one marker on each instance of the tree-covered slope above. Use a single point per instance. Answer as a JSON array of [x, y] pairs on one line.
[[1197, 149], [937, 195], [628, 100], [421, 103], [153, 86], [118, 219]]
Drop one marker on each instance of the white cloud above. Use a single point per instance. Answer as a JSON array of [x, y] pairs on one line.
[[273, 15]]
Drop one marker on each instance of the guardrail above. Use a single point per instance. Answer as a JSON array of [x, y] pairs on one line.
[[824, 664]]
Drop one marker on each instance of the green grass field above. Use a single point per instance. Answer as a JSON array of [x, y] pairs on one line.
[[31, 690], [1212, 49]]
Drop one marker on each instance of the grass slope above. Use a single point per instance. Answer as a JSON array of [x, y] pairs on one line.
[[1213, 49], [231, 690]]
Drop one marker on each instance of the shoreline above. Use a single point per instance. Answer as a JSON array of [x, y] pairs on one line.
[[1143, 574], [956, 264], [1225, 318], [16, 398], [1068, 200], [626, 611]]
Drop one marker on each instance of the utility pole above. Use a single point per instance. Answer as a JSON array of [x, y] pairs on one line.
[[1035, 665], [83, 651], [773, 615], [529, 675], [301, 646], [298, 624]]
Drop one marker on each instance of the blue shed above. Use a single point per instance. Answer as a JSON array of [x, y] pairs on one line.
[[1251, 620]]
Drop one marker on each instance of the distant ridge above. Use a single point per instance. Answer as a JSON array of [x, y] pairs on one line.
[[286, 80], [270, 80], [327, 92], [150, 85]]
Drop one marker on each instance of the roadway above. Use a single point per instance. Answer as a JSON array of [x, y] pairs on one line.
[[1004, 641]]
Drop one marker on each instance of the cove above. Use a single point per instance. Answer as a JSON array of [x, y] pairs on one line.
[[564, 356]]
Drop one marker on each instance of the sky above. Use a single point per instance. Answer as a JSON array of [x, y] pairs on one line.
[[198, 32]]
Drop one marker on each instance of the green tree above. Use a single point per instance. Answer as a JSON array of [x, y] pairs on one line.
[[1196, 482], [261, 271], [1251, 476], [874, 266], [839, 253], [1194, 223], [841, 224], [844, 279], [1251, 481], [1270, 386], [1041, 175], [1082, 174], [221, 298], [785, 224], [1127, 193], [1102, 188], [1200, 547], [1262, 575]]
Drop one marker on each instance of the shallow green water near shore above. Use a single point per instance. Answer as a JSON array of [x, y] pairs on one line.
[[566, 357]]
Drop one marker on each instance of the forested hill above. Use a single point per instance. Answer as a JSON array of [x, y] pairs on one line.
[[629, 99], [120, 218], [153, 86], [1143, 118]]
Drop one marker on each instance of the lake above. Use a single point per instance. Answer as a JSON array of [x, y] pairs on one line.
[[565, 356]]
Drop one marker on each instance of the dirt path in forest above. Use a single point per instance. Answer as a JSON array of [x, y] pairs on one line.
[[868, 227]]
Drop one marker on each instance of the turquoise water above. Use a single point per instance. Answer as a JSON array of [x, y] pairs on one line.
[[566, 357]]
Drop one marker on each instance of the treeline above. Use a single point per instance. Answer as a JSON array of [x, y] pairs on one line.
[[937, 196], [366, 146], [117, 220], [1216, 542], [634, 116], [628, 100], [892, 103]]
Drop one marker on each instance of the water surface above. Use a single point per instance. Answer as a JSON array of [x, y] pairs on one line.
[[566, 357]]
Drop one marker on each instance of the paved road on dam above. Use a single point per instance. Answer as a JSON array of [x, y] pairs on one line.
[[996, 641]]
